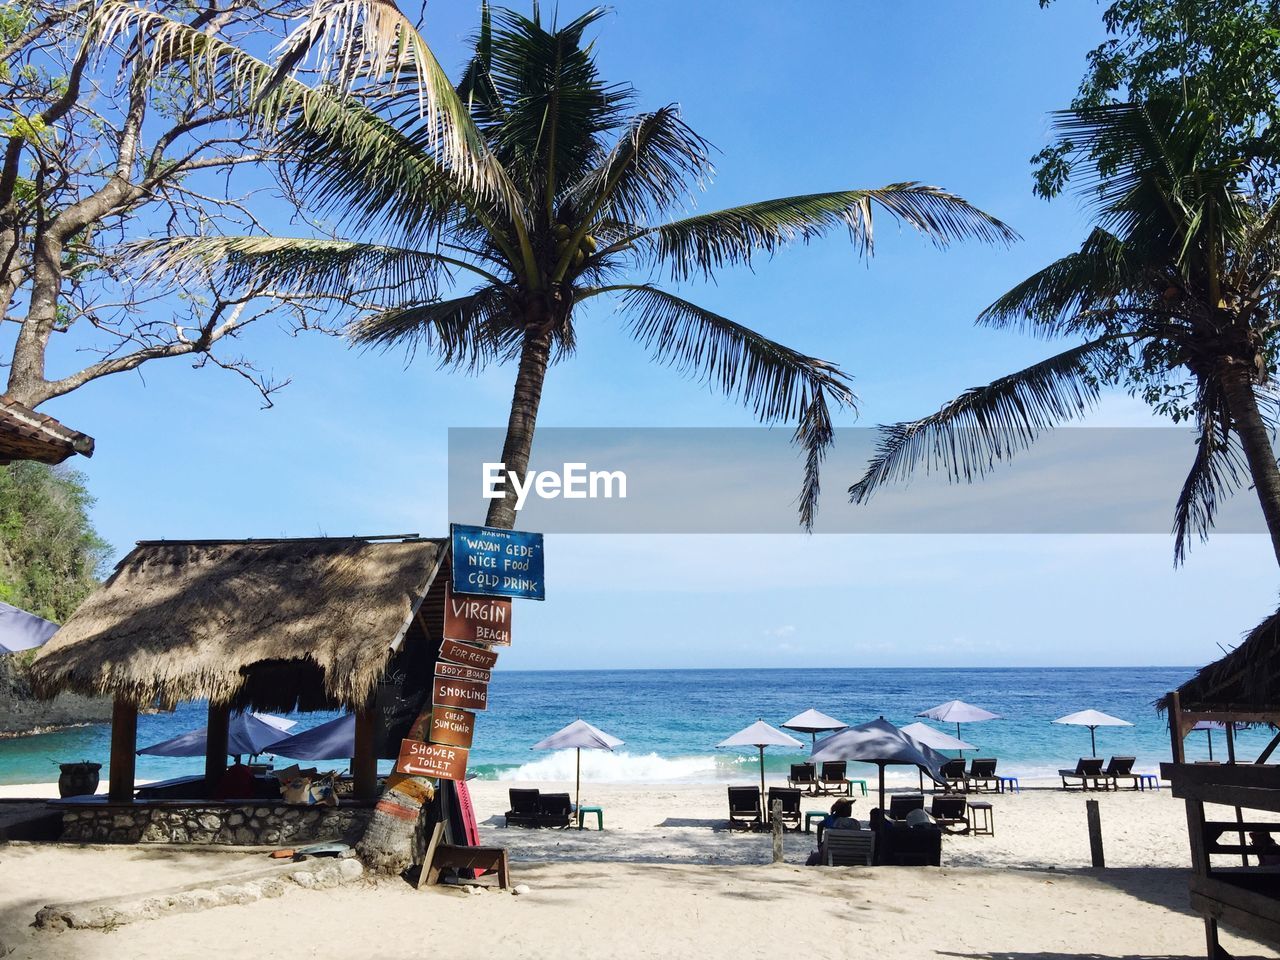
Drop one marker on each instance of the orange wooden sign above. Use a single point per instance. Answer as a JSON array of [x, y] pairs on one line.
[[418, 759], [456, 652], [476, 619], [451, 726], [460, 693], [456, 671]]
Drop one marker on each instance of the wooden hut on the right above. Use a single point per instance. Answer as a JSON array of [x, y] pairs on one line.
[[1235, 862]]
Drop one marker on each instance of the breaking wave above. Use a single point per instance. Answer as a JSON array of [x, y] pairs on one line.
[[617, 767]]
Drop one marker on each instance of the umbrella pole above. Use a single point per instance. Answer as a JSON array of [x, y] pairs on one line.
[[763, 804], [1209, 734], [958, 737], [577, 790], [881, 786], [1093, 740]]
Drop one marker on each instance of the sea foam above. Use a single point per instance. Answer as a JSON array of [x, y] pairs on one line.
[[614, 767]]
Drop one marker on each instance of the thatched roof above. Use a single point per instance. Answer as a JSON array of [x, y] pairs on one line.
[[1245, 681], [28, 435], [269, 623]]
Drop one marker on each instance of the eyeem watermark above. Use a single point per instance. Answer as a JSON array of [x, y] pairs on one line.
[[572, 482]]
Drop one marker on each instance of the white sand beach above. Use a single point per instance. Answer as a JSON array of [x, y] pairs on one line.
[[667, 879]]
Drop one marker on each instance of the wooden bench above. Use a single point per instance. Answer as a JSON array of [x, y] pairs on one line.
[[449, 857]]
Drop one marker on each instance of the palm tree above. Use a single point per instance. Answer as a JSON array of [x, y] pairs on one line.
[[582, 199], [1172, 294]]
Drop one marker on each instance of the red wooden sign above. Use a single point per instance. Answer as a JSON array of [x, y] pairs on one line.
[[460, 693], [451, 726], [418, 759], [475, 619], [455, 671], [469, 656]]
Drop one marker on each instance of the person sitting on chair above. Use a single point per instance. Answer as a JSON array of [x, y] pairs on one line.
[[840, 818]]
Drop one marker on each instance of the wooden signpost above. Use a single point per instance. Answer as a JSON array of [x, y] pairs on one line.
[[418, 759], [455, 671], [477, 619], [460, 693], [451, 727], [467, 655]]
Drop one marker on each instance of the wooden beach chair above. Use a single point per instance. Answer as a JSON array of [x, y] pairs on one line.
[[848, 848], [951, 813], [1088, 771], [744, 807], [1121, 768], [834, 779], [802, 775], [903, 804], [954, 778], [982, 774], [555, 810], [524, 808], [790, 799]]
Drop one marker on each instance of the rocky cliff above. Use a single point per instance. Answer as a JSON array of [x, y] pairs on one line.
[[21, 713]]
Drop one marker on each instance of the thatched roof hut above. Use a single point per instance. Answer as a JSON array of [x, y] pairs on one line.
[[28, 435], [266, 624], [1243, 686]]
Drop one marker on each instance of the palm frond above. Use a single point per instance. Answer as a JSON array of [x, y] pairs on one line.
[[466, 333], [706, 242], [985, 425], [775, 382], [1218, 470], [299, 265]]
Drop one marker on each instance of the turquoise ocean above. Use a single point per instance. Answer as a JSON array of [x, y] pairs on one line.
[[671, 720]]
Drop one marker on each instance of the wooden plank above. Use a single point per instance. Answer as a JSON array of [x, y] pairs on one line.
[[456, 671], [452, 727], [477, 619], [460, 693], [1177, 731], [467, 655], [124, 744], [418, 759], [1235, 895], [215, 748], [1094, 817], [1242, 920], [364, 765]]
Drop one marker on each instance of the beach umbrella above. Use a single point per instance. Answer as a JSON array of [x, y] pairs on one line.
[[881, 743], [332, 740], [958, 712], [247, 733], [1093, 719], [578, 736], [20, 630], [1208, 726], [933, 737], [813, 722], [760, 735]]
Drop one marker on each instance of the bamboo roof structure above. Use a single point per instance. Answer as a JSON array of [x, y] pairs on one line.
[[28, 435]]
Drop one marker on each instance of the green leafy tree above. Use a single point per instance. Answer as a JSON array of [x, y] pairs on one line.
[[1223, 56], [50, 555], [586, 205], [1173, 295]]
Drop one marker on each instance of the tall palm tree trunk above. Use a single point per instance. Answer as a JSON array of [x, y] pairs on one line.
[[534, 357], [387, 845], [1237, 384]]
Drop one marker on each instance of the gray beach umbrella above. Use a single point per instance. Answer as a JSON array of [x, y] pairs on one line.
[[579, 736], [881, 743], [1093, 719], [247, 733], [958, 712], [20, 630], [331, 740], [760, 735], [813, 722], [933, 737]]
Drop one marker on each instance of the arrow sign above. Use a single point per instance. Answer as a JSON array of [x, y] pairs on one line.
[[418, 759]]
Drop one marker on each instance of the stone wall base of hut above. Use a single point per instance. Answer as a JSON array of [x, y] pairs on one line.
[[275, 825]]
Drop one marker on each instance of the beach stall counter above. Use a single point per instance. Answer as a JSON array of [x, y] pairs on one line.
[[1235, 860], [258, 625]]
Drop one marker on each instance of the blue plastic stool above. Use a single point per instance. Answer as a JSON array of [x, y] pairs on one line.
[[598, 811]]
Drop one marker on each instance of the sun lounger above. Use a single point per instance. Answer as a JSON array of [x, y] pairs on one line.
[[903, 804], [900, 845], [953, 776], [790, 799], [803, 776], [744, 807], [524, 808], [951, 813], [848, 848], [834, 780], [1088, 772], [555, 810], [982, 774], [1121, 768]]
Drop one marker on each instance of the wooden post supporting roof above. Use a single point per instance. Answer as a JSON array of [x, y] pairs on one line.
[[124, 743], [215, 750], [364, 765]]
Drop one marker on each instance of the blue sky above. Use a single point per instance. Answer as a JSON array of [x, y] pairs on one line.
[[798, 98]]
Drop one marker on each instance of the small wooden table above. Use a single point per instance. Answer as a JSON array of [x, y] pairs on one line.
[[986, 826], [447, 857]]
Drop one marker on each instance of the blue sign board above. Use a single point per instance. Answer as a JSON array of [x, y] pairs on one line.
[[498, 563]]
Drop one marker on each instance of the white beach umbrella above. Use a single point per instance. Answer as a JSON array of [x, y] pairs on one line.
[[20, 630], [1093, 719], [760, 735], [813, 722], [579, 736], [958, 712], [933, 737]]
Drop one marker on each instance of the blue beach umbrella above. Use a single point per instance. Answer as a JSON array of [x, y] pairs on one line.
[[247, 733], [334, 740], [881, 743], [20, 630]]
